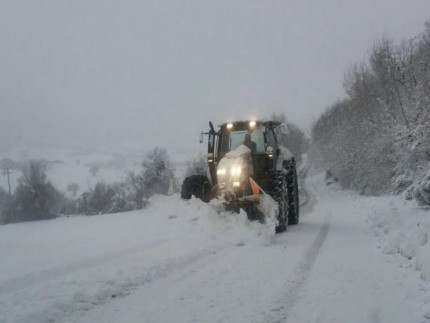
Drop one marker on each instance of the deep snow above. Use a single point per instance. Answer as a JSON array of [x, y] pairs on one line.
[[351, 259]]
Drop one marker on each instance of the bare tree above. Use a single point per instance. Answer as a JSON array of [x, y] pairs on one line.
[[94, 169], [73, 188]]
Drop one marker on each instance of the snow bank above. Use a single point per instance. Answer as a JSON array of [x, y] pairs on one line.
[[427, 312], [404, 229], [50, 269]]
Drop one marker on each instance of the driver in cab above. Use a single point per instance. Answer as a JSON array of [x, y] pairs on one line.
[[249, 143]]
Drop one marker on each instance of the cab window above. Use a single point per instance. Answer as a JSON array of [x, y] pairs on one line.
[[271, 139]]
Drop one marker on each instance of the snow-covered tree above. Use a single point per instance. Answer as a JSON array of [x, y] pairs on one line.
[[296, 140], [135, 186], [197, 166], [376, 139], [157, 172], [35, 197]]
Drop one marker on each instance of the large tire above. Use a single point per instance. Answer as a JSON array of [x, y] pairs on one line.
[[278, 190], [293, 193], [197, 185]]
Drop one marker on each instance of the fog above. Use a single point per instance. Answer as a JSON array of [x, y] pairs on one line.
[[100, 73]]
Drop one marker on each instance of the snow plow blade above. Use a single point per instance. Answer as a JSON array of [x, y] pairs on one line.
[[258, 207], [243, 201]]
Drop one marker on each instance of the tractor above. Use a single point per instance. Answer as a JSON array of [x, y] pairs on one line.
[[246, 163]]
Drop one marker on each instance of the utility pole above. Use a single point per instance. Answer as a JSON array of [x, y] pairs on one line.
[[6, 171], [8, 181]]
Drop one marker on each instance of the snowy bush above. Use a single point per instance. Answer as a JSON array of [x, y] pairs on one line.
[[132, 193], [135, 186], [421, 189], [197, 166], [111, 198], [3, 195], [35, 197], [157, 172], [105, 198], [4, 198], [101, 198]]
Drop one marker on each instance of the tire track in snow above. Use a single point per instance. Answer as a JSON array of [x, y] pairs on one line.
[[121, 289], [301, 274], [34, 278], [302, 175]]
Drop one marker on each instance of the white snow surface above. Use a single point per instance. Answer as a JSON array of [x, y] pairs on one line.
[[350, 259]]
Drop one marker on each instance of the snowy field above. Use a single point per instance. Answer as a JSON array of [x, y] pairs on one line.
[[73, 165], [351, 259]]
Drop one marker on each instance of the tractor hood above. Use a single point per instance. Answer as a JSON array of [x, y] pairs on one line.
[[233, 166]]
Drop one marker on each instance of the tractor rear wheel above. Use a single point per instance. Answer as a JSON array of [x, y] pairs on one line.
[[293, 193], [197, 185]]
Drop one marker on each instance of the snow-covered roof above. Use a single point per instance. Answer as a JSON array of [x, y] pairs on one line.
[[264, 122]]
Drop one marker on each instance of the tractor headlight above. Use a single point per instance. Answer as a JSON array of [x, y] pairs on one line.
[[231, 171], [221, 171], [236, 171]]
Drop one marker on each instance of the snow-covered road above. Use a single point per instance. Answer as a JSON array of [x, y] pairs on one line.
[[181, 261]]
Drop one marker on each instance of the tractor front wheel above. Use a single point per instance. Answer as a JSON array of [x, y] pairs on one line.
[[197, 185]]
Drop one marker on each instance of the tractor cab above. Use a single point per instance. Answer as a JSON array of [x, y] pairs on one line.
[[261, 141]]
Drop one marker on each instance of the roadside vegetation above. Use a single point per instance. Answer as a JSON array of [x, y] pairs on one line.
[[36, 198], [377, 138]]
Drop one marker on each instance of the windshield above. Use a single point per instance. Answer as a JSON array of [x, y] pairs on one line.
[[233, 139]]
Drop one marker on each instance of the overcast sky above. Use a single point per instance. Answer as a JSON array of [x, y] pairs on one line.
[[97, 72]]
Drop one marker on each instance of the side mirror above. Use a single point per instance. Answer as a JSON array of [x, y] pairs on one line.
[[211, 126], [201, 137], [284, 129]]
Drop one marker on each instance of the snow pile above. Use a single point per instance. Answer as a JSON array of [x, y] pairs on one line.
[[51, 269], [404, 229], [269, 207], [240, 151]]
